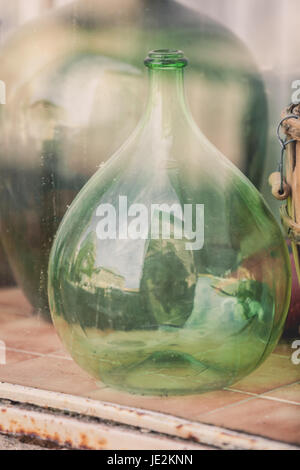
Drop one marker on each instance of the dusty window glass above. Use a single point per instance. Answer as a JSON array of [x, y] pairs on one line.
[[72, 90]]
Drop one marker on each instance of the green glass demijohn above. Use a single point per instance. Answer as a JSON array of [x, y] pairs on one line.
[[169, 274]]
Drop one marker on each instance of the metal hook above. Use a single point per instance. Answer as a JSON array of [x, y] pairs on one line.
[[284, 143]]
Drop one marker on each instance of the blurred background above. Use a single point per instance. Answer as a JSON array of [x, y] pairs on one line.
[[56, 55], [269, 28]]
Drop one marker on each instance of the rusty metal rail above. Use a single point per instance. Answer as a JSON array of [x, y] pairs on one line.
[[84, 423]]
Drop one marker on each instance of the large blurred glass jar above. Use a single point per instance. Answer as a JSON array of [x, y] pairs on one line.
[[75, 91]]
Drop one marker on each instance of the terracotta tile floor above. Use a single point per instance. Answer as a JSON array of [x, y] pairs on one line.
[[277, 420], [266, 403], [276, 372]]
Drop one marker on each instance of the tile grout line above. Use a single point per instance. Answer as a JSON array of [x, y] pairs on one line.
[[230, 405], [230, 389], [281, 400], [265, 395], [33, 353]]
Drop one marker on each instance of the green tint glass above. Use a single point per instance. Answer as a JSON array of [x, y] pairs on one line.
[[169, 275]]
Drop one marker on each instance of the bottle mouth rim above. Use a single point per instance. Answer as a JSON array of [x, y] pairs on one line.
[[165, 58]]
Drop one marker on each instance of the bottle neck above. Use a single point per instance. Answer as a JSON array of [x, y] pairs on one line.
[[166, 98]]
